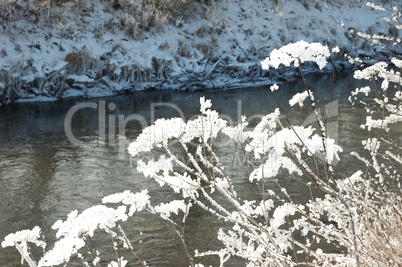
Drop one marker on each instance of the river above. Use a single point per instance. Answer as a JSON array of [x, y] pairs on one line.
[[44, 175]]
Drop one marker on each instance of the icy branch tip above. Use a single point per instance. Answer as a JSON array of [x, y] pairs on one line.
[[274, 87], [336, 49], [205, 104], [297, 53], [23, 237]]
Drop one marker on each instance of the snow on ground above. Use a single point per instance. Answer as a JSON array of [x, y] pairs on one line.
[[90, 50]]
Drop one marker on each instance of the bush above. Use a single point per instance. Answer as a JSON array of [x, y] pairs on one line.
[[81, 62]]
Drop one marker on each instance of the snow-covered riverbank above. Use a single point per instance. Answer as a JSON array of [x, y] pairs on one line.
[[95, 48]]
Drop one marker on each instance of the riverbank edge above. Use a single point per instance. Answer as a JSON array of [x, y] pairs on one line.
[[216, 76], [219, 49]]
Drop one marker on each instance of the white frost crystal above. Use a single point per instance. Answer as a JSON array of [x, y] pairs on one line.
[[165, 209], [336, 49], [296, 53], [157, 135], [20, 240], [137, 201], [122, 263], [397, 62], [274, 87], [298, 99], [24, 236], [72, 231]]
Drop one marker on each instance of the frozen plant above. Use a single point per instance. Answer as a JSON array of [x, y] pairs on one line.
[[357, 212], [75, 234], [363, 208], [297, 53], [21, 239]]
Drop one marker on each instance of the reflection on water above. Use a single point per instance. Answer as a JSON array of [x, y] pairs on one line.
[[44, 176]]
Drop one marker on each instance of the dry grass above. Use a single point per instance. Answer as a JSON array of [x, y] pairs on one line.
[[81, 61], [184, 49]]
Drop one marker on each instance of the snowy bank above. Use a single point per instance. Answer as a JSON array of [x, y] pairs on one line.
[[51, 50]]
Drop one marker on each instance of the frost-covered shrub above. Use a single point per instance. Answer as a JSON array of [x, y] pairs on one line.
[[359, 213], [81, 62], [148, 18], [161, 67], [11, 86], [12, 78], [17, 81], [131, 74]]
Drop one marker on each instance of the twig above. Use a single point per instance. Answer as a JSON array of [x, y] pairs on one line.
[[293, 241], [114, 247], [129, 244]]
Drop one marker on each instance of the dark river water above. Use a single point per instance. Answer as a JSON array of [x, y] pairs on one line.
[[44, 175]]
